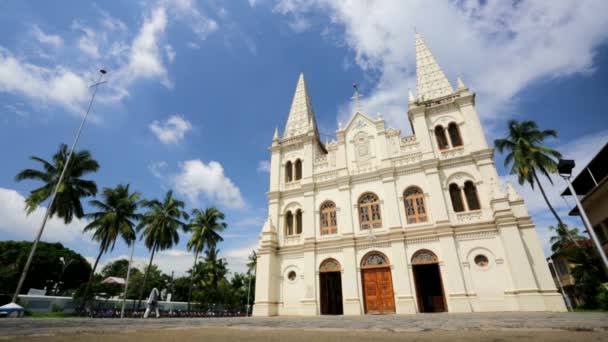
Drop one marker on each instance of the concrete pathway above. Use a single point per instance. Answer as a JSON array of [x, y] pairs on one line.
[[596, 323]]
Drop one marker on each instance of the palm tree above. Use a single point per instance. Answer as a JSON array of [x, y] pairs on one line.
[[563, 238], [204, 226], [160, 225], [252, 262], [527, 157], [67, 202], [116, 218]]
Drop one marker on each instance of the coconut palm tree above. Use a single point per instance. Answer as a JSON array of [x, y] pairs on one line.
[[116, 218], [252, 262], [563, 238], [204, 226], [71, 190], [160, 227], [526, 156]]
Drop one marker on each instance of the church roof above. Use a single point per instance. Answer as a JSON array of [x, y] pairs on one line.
[[301, 116], [431, 81]]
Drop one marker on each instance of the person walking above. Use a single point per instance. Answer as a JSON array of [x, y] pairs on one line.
[[152, 303]]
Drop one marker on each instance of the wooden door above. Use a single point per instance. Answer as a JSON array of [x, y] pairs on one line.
[[378, 290]]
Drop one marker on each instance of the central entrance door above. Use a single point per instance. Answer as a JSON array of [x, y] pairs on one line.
[[377, 284], [429, 287], [330, 278]]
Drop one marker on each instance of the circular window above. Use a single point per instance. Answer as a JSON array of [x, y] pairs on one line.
[[481, 261], [291, 276]]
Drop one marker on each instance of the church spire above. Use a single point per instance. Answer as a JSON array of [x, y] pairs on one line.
[[431, 80], [301, 116]]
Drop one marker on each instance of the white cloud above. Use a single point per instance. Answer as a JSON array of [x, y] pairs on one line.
[[197, 178], [171, 131], [157, 168], [193, 45], [57, 85], [498, 47], [200, 23], [264, 166], [15, 221], [170, 53], [145, 60], [238, 257], [89, 40], [50, 39]]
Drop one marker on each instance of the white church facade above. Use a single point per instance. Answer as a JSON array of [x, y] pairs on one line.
[[376, 222]]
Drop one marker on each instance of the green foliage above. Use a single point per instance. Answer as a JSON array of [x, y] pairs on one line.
[[564, 237], [46, 268], [72, 189], [116, 218], [119, 269], [602, 297], [155, 279], [56, 308], [160, 227], [526, 155], [588, 274], [204, 226]]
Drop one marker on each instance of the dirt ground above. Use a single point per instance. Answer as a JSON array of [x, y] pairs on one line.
[[217, 334]]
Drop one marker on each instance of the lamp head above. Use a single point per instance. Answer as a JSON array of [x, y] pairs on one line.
[[565, 166]]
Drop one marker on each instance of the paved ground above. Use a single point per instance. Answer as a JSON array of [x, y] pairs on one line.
[[425, 327]]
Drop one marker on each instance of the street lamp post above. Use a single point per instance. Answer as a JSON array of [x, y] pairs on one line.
[[561, 287], [95, 86], [124, 296], [564, 168]]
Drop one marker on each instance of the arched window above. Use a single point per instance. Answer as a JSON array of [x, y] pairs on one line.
[[442, 139], [456, 197], [289, 223], [470, 192], [369, 211], [415, 209], [298, 167], [329, 223], [374, 259], [299, 221], [288, 172], [454, 132]]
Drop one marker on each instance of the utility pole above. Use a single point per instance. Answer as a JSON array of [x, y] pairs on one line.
[[95, 86]]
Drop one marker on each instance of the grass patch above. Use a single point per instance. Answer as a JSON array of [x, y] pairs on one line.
[[51, 315]]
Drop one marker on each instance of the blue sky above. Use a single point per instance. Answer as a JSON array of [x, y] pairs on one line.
[[195, 90]]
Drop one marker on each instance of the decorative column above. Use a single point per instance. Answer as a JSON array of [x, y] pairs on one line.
[[308, 302], [404, 299], [350, 281], [451, 273]]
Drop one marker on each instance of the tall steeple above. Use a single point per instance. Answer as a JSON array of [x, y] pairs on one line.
[[431, 80], [301, 116]]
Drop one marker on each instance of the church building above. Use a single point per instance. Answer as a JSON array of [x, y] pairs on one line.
[[377, 223]]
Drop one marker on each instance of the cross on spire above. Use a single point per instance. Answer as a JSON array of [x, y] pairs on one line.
[[356, 97]]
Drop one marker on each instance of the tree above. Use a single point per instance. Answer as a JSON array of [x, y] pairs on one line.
[[47, 269], [160, 227], [116, 218], [72, 189], [204, 226], [118, 268], [526, 156], [563, 238]]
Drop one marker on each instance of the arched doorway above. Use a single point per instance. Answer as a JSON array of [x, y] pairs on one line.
[[377, 284], [330, 278], [429, 286]]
